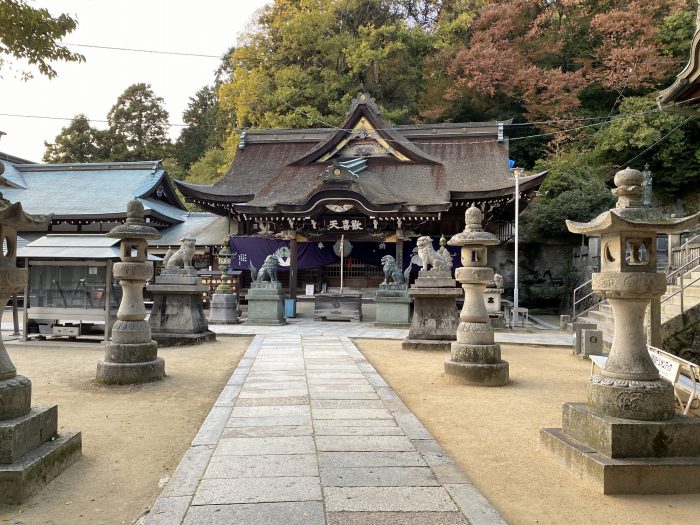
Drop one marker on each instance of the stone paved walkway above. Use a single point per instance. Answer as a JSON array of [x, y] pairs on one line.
[[307, 432]]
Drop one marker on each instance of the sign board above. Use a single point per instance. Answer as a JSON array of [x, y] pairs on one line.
[[349, 224], [668, 368]]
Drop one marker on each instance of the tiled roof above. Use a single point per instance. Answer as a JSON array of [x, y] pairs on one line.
[[92, 190], [427, 166]]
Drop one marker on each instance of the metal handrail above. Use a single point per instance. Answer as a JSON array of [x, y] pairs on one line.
[[680, 273], [577, 302]]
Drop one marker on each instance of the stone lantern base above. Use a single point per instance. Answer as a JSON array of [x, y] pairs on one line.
[[479, 365], [128, 360], [626, 456], [32, 452]]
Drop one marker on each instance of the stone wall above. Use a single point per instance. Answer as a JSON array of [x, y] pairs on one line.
[[546, 274]]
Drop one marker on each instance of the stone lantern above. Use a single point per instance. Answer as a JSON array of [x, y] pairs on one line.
[[32, 452], [631, 410], [224, 302], [132, 356], [476, 359]]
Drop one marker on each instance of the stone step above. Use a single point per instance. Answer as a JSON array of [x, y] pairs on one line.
[[688, 300], [608, 328], [601, 315]]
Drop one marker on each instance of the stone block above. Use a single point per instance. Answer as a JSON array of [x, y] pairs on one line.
[[257, 490], [435, 315], [425, 345], [628, 438], [263, 466], [378, 477], [223, 309], [265, 306], [131, 353], [392, 518], [265, 446], [130, 373], [15, 396], [370, 459], [393, 308], [288, 513], [630, 399], [25, 433], [406, 499], [364, 444], [679, 475], [177, 315], [495, 374], [476, 353], [21, 479]]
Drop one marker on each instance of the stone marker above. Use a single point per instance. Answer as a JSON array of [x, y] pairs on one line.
[[392, 299], [32, 452], [265, 297], [434, 295], [132, 356], [476, 359], [628, 439], [224, 303], [177, 315]]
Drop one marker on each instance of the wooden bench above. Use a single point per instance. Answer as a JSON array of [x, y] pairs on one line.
[[682, 374]]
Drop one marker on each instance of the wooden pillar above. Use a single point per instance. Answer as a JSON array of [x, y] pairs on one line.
[[15, 314], [399, 253], [293, 268]]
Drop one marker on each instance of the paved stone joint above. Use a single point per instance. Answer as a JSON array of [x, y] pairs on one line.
[[307, 432]]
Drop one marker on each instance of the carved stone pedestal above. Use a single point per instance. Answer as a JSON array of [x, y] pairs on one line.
[[265, 303], [393, 305], [223, 309], [625, 456], [177, 315], [434, 319]]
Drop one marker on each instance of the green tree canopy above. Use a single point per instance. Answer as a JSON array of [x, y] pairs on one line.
[[33, 35], [205, 127], [138, 126], [303, 61], [77, 142]]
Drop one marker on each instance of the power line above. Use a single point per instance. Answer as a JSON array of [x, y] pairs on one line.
[[657, 142], [149, 51]]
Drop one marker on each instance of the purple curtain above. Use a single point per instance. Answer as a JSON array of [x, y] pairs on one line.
[[255, 249]]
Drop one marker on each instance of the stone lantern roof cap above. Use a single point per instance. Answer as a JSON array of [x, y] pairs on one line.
[[630, 214], [135, 226], [13, 215], [473, 233]]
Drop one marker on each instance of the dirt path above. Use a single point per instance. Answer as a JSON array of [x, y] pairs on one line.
[[493, 434], [133, 436]]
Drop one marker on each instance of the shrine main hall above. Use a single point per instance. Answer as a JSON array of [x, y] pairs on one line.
[[377, 185]]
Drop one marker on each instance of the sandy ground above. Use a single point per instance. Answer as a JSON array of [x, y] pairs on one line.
[[493, 434], [133, 436]]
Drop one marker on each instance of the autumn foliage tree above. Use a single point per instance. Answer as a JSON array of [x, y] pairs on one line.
[[544, 55]]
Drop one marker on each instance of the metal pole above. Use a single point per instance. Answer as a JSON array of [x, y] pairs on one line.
[[342, 261], [516, 171]]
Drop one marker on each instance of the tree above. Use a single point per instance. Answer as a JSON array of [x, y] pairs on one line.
[[544, 55], [303, 61], [205, 128], [138, 125], [211, 167], [77, 142], [669, 143], [575, 189], [31, 34]]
